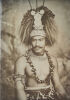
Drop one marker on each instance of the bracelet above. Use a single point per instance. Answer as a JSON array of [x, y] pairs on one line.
[[18, 76]]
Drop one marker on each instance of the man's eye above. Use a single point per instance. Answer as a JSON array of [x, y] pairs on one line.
[[40, 39], [33, 40]]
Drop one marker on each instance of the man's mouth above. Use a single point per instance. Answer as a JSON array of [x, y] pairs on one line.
[[36, 48]]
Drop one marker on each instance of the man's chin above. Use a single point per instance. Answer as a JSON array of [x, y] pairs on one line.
[[38, 53]]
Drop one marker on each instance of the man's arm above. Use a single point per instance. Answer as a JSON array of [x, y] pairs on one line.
[[20, 72], [57, 84]]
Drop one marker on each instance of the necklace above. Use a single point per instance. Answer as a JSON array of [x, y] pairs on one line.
[[34, 70]]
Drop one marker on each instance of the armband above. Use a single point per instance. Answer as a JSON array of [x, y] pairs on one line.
[[19, 77]]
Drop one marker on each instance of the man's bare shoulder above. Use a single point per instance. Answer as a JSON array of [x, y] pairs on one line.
[[54, 61], [21, 58], [21, 61]]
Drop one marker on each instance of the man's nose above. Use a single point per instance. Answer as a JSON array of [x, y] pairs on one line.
[[37, 43]]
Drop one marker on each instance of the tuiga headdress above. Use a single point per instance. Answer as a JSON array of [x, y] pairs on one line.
[[37, 27], [38, 22]]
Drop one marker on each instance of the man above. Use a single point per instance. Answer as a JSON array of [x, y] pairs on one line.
[[36, 71]]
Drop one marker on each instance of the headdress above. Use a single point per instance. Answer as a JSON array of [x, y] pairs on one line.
[[39, 21], [37, 27]]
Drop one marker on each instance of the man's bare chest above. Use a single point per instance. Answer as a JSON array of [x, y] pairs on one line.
[[41, 66]]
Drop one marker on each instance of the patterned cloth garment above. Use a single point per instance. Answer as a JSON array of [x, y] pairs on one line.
[[41, 94]]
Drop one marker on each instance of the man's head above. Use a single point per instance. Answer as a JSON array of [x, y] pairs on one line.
[[37, 39], [30, 22], [38, 44]]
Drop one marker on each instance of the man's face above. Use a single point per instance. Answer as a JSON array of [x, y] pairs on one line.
[[38, 44]]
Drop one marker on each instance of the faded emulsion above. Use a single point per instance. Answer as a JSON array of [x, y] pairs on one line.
[[35, 50]]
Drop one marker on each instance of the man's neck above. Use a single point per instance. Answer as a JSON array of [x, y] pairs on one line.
[[38, 54], [32, 54]]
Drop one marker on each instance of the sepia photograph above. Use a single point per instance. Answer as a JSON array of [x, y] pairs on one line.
[[35, 50]]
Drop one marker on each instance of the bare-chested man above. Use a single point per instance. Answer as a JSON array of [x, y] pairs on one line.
[[36, 71]]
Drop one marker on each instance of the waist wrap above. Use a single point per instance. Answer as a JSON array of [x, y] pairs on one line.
[[40, 94]]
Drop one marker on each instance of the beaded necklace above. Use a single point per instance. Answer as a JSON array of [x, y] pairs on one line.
[[34, 70]]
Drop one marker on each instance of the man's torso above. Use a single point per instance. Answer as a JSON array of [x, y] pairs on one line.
[[42, 70]]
